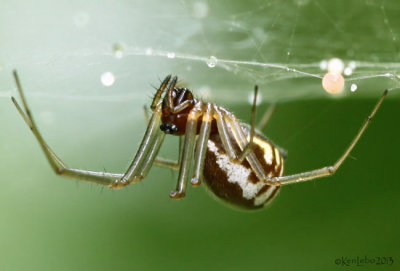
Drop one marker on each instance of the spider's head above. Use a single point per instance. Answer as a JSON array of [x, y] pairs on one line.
[[176, 106]]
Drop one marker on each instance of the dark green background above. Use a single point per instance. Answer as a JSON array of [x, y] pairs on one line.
[[61, 49]]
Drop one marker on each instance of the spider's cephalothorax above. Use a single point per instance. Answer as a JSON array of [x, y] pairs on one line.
[[238, 163], [176, 106]]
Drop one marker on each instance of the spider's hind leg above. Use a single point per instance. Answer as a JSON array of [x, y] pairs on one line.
[[328, 170]]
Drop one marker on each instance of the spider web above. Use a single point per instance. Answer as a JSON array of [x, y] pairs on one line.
[[99, 62], [88, 67], [221, 50]]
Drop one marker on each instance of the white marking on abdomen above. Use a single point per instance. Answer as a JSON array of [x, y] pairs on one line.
[[266, 147], [236, 173]]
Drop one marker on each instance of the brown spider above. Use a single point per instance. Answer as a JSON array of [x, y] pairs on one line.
[[237, 162]]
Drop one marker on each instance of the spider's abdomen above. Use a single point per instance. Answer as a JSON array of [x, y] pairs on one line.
[[236, 183]]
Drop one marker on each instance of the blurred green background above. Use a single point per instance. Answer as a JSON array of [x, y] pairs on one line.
[[62, 48]]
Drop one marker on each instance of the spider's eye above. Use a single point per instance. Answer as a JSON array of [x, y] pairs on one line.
[[168, 128]]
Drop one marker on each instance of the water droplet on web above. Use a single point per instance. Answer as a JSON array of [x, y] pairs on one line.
[[352, 65], [353, 87], [250, 98], [333, 82], [81, 19], [200, 9], [119, 49], [107, 79], [149, 51], [1, 67], [212, 62], [335, 65], [348, 71], [388, 74], [323, 65], [171, 55]]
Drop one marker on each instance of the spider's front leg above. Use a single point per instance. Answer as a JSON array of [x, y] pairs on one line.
[[104, 178], [141, 164], [187, 153], [201, 146], [146, 154]]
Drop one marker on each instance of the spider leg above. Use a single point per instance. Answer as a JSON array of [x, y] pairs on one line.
[[187, 154], [151, 157], [201, 146], [159, 92], [266, 117], [151, 141], [144, 158], [167, 163], [170, 98], [250, 145], [146, 115], [223, 131], [146, 154], [159, 161], [104, 178], [241, 140], [329, 170]]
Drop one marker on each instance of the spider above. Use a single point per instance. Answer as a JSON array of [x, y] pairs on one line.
[[236, 161]]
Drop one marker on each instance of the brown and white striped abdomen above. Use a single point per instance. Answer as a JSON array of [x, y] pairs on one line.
[[236, 183]]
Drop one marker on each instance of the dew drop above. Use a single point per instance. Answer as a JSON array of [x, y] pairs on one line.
[[171, 55], [348, 71], [323, 65], [352, 65], [353, 87], [388, 74], [149, 51], [119, 50], [212, 62], [335, 65], [250, 98], [107, 79], [333, 82]]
